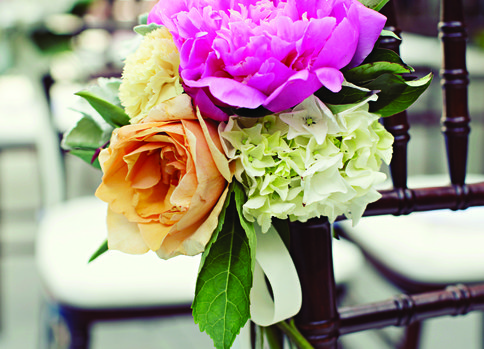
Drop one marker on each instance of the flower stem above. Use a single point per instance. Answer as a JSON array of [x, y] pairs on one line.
[[293, 333]]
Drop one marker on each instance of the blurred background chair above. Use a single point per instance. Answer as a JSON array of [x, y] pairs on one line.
[[116, 286], [25, 123]]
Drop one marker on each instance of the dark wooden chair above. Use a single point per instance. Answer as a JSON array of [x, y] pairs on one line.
[[320, 319]]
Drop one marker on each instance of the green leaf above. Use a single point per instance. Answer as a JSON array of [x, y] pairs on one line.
[[107, 89], [85, 139], [221, 306], [240, 199], [384, 55], [86, 155], [144, 29], [112, 114], [102, 249], [338, 108], [396, 93], [347, 95], [86, 134], [371, 71], [389, 33], [221, 220], [143, 18], [374, 4]]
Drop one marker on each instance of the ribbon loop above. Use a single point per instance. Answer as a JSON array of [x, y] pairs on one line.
[[273, 262]]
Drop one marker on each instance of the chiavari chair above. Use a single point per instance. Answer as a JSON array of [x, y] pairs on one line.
[[320, 319]]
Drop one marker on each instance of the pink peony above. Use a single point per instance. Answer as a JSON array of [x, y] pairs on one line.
[[248, 53]]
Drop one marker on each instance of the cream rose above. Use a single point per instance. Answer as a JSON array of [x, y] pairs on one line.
[[165, 182]]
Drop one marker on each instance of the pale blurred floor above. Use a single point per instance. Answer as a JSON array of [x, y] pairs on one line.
[[22, 297]]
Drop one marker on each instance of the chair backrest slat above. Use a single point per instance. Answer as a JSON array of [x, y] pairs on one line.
[[454, 77], [454, 197], [397, 124], [404, 309]]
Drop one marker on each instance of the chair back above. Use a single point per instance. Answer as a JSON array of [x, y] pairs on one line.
[[319, 319]]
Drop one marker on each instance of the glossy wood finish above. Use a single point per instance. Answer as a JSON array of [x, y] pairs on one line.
[[455, 115], [397, 124], [312, 255], [311, 242], [402, 201], [405, 309]]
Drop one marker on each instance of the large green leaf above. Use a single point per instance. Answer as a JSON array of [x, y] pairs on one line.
[[221, 220], [370, 71], [240, 199], [112, 114], [221, 306], [396, 94]]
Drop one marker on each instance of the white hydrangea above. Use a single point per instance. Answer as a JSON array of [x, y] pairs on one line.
[[308, 162]]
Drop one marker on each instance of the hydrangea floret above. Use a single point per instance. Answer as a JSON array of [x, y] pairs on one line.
[[289, 173]]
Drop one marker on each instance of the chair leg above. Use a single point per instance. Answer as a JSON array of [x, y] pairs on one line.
[[411, 336], [79, 336], [78, 329]]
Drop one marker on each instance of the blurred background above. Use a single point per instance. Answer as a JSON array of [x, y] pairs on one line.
[[51, 49]]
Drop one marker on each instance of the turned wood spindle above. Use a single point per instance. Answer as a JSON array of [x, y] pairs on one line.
[[454, 79], [397, 124], [312, 255]]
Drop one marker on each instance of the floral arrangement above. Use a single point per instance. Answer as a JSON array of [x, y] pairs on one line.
[[232, 118]]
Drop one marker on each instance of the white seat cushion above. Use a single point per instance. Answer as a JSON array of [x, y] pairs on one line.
[[71, 232], [22, 111], [433, 247], [68, 236], [348, 261]]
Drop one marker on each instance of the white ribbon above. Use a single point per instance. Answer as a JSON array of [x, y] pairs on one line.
[[274, 262]]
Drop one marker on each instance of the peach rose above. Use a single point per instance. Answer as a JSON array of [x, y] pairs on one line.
[[165, 181]]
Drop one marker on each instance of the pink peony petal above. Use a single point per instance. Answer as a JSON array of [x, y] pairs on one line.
[[330, 78], [371, 23], [207, 107], [292, 92], [340, 47]]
